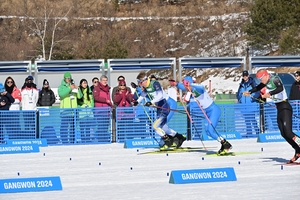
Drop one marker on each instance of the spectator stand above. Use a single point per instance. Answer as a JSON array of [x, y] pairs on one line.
[[133, 122], [269, 124], [50, 119], [17, 124], [231, 123]]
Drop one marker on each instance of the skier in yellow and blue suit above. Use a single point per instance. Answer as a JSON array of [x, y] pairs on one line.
[[154, 91]]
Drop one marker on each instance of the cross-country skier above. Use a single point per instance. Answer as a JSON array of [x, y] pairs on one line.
[[210, 109], [154, 91], [284, 109]]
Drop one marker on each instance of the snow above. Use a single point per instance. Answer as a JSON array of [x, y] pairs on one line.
[[259, 176]]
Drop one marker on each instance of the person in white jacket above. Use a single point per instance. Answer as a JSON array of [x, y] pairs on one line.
[[30, 97]]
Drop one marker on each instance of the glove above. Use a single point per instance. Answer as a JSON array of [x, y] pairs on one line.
[[172, 82], [135, 103], [133, 85], [148, 104]]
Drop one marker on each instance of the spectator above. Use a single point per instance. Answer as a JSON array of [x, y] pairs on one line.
[[13, 128], [247, 84], [102, 109], [86, 105], [12, 89], [46, 95], [30, 96], [123, 96], [68, 93], [5, 101], [95, 82], [120, 78], [295, 89]]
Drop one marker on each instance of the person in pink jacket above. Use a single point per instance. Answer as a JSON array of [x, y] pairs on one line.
[[103, 106], [15, 128]]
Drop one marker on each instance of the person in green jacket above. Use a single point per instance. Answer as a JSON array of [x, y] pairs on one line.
[[86, 115], [68, 93]]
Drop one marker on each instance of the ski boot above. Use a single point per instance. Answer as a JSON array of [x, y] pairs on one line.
[[180, 139], [167, 142], [296, 156], [225, 147]]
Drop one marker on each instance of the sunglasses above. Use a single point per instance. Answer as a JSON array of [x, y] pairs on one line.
[[8, 82], [122, 85], [96, 81]]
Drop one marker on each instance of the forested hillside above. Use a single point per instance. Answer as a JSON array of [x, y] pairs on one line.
[[87, 29]]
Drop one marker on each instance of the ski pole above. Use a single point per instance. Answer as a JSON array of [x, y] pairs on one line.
[[191, 120], [204, 113]]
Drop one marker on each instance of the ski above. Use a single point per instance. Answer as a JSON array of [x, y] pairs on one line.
[[231, 153], [177, 150], [294, 163]]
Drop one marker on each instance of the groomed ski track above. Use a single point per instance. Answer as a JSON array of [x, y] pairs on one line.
[[110, 172]]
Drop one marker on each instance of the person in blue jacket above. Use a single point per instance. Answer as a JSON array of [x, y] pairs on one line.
[[249, 112], [196, 92]]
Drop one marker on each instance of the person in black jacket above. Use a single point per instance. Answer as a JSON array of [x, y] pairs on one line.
[[5, 101], [46, 95], [295, 89]]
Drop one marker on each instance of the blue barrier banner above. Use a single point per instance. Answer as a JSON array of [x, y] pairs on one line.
[[40, 142], [227, 136], [202, 175], [30, 184], [140, 143], [11, 149], [270, 137]]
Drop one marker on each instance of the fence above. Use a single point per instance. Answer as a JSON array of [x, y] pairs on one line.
[[103, 125]]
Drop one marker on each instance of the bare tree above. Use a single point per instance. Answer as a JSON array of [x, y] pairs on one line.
[[42, 29]]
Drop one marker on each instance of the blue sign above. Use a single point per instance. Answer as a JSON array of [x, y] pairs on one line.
[[30, 184], [40, 142], [270, 137], [202, 175], [11, 149], [227, 136], [141, 143]]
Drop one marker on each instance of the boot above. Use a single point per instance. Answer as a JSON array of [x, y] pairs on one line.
[[167, 142], [296, 156], [225, 147], [181, 138]]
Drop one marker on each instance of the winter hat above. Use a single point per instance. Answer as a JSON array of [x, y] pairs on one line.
[[187, 80], [245, 73], [122, 82], [3, 99], [2, 89], [261, 73], [45, 82], [67, 75], [30, 78]]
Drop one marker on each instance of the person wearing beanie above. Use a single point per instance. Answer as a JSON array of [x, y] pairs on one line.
[[276, 91], [46, 95], [68, 94], [247, 83], [30, 94], [5, 101], [123, 96], [114, 90], [295, 89]]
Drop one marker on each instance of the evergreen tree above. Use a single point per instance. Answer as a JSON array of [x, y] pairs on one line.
[[268, 18]]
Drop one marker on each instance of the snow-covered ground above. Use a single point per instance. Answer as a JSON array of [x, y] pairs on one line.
[[111, 172]]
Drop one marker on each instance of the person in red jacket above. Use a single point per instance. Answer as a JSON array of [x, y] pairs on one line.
[[123, 96], [103, 106]]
